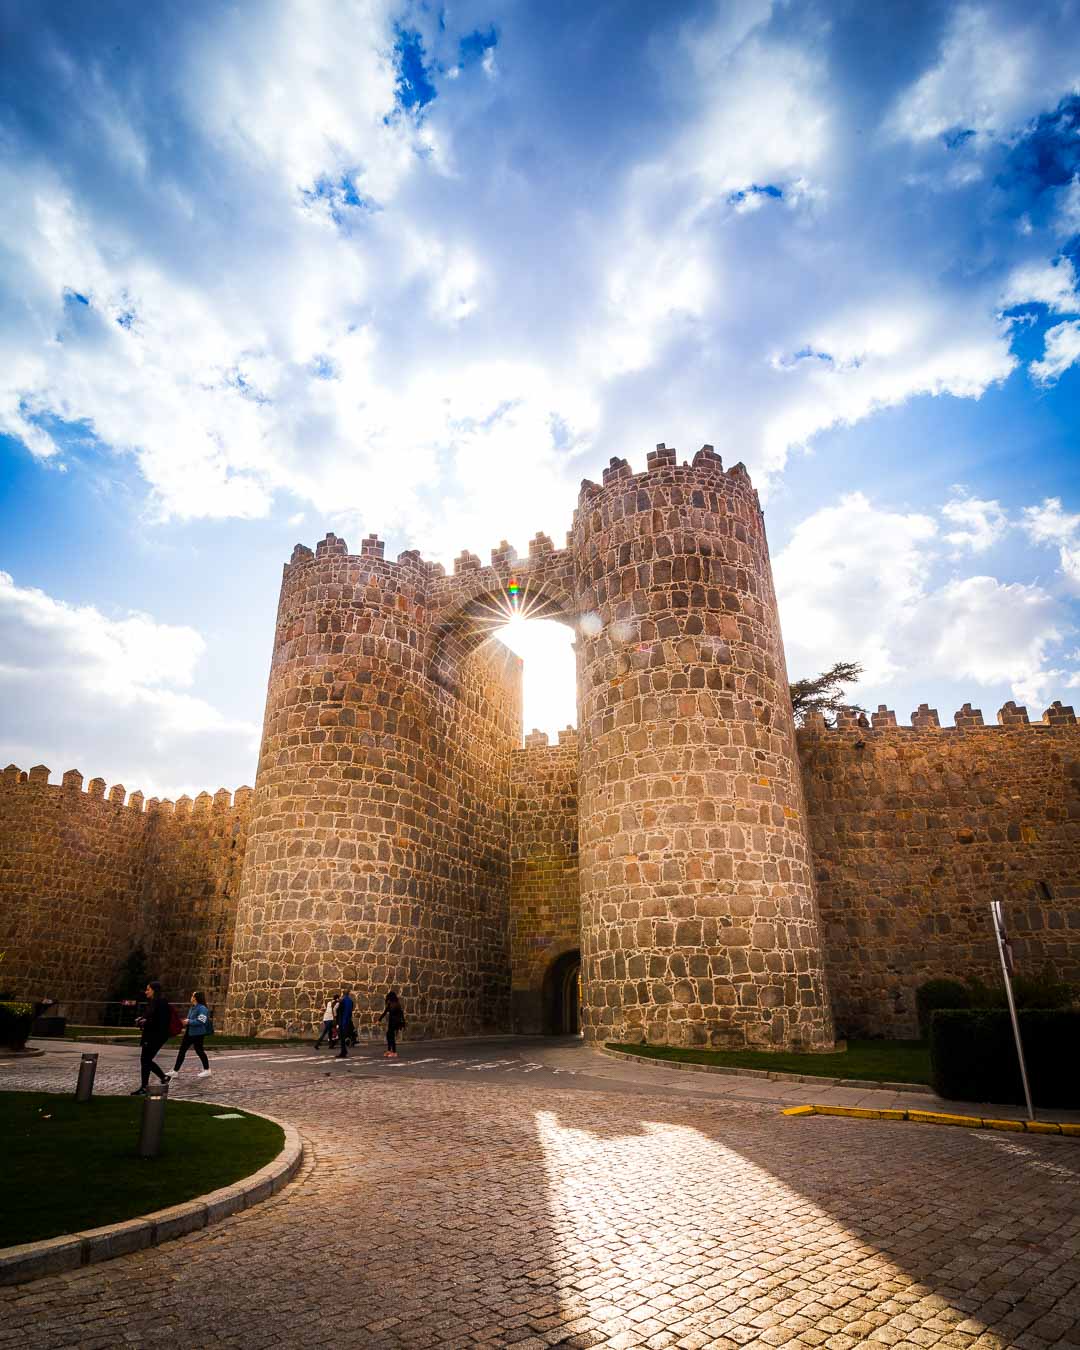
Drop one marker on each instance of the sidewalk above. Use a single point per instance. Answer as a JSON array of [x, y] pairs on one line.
[[652, 1075]]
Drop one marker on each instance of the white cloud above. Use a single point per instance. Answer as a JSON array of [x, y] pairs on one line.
[[998, 66], [1062, 351], [106, 696], [1049, 523], [846, 582], [1050, 284], [319, 293], [856, 582], [989, 631], [978, 524]]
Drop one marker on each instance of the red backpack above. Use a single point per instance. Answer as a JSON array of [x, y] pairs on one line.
[[176, 1022]]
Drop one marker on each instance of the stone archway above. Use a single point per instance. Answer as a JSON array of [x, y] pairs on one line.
[[561, 995]]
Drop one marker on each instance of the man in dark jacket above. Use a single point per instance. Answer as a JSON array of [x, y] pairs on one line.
[[345, 1012], [156, 1030]]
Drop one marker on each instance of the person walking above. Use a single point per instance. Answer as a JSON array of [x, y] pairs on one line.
[[329, 1018], [156, 1030], [395, 1021], [344, 1015], [195, 1028]]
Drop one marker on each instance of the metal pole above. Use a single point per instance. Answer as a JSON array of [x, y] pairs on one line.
[[84, 1088], [998, 917], [153, 1119]]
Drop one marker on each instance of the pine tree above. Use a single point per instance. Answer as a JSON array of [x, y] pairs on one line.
[[825, 692]]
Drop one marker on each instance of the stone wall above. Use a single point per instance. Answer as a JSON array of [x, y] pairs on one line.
[[699, 925], [86, 876], [916, 829], [545, 903], [378, 853]]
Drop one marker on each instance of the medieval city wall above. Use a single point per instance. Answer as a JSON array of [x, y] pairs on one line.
[[699, 922], [379, 845], [545, 902], [85, 876], [916, 829]]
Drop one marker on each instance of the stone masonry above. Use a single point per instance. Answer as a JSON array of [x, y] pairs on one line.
[[85, 876], [400, 834], [916, 829], [545, 907], [698, 919]]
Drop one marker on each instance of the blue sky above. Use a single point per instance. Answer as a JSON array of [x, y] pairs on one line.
[[271, 270]]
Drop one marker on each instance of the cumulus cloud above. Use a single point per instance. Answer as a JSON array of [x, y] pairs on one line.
[[1050, 284], [1050, 523], [271, 274], [858, 582], [108, 696], [976, 524], [1062, 351], [994, 67]]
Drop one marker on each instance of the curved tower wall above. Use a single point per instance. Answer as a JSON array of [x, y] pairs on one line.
[[699, 924], [378, 847]]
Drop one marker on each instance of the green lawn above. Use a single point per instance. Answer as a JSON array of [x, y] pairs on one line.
[[884, 1061], [69, 1166]]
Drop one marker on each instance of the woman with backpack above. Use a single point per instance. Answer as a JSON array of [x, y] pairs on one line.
[[196, 1028], [395, 1020], [157, 1027]]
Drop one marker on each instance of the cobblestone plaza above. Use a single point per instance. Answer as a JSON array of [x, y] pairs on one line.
[[518, 1196]]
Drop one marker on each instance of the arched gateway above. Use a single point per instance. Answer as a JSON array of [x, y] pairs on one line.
[[381, 841]]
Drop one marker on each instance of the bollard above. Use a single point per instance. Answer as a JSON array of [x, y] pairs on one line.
[[84, 1088], [153, 1119]]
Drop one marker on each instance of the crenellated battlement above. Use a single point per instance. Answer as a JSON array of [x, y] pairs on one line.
[[660, 464], [71, 785], [539, 740], [925, 718]]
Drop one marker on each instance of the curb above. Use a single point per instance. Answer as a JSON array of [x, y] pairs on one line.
[[771, 1074], [16, 1056], [940, 1118], [31, 1260]]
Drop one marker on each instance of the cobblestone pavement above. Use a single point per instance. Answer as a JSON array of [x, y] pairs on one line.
[[482, 1211]]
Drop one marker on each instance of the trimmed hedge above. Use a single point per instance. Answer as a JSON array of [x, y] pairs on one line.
[[934, 994], [973, 1056], [16, 1019]]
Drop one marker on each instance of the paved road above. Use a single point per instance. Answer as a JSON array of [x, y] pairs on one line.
[[509, 1192]]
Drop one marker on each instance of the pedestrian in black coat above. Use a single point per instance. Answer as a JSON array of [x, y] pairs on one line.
[[156, 1030], [395, 1020]]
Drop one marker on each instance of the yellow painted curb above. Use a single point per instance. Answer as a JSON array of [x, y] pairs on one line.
[[938, 1118]]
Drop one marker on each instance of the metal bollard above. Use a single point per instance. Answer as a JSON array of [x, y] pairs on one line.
[[84, 1088], [153, 1119]]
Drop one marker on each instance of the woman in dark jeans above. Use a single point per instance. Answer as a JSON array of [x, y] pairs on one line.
[[155, 1032]]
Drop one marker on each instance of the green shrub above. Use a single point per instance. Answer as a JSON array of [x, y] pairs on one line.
[[973, 1055], [932, 994], [1044, 990], [16, 1020]]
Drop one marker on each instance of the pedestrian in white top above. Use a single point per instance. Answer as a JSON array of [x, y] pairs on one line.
[[329, 1019]]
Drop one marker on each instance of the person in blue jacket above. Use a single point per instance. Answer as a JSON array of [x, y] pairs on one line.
[[344, 1014], [195, 1029]]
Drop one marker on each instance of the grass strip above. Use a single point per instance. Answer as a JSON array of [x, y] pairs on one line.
[[71, 1166], [874, 1061]]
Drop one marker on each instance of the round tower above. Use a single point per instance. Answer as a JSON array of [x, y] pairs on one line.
[[378, 848], [699, 924]]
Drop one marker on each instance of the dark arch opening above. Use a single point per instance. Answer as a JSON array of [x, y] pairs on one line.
[[561, 996]]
